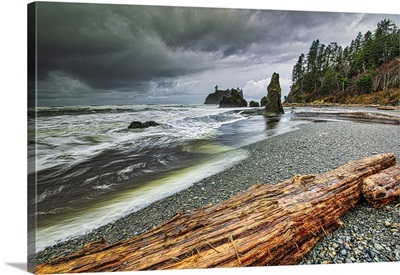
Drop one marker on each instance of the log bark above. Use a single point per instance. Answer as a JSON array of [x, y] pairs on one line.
[[265, 225], [382, 188]]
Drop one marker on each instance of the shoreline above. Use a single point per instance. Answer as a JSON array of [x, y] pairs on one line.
[[350, 105], [313, 148]]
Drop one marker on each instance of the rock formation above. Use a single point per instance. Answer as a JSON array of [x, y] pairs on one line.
[[140, 125], [273, 106], [235, 100], [254, 104], [218, 95], [263, 101]]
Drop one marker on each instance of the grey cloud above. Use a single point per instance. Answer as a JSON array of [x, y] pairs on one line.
[[130, 48]]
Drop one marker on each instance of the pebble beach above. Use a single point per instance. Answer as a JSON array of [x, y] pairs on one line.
[[367, 234]]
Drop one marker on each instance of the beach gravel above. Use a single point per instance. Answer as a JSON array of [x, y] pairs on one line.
[[367, 234]]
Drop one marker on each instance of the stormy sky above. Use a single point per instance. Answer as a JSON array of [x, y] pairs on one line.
[[129, 54]]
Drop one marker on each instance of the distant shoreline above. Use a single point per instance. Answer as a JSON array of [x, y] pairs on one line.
[[321, 105]]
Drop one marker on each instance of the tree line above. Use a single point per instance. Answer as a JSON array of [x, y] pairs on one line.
[[326, 69]]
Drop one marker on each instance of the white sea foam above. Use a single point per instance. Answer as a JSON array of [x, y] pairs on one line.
[[66, 140], [49, 192], [103, 187]]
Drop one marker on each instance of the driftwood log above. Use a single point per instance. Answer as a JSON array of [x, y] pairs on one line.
[[382, 188], [265, 225]]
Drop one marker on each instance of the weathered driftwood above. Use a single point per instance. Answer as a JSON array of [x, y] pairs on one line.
[[265, 225], [382, 188]]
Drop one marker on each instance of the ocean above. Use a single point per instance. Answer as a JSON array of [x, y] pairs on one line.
[[88, 169]]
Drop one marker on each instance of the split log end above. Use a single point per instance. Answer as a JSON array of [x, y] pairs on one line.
[[382, 188]]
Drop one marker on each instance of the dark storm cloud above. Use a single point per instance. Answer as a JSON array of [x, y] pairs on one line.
[[91, 48], [112, 45]]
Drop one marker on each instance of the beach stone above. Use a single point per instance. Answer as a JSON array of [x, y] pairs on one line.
[[356, 251], [377, 246], [343, 252]]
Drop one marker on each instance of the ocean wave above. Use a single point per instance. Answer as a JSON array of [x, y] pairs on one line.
[[127, 201], [103, 187], [79, 142], [49, 193]]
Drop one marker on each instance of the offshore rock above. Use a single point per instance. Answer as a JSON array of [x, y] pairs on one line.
[[235, 100], [218, 95], [273, 105], [140, 125], [254, 104], [263, 101]]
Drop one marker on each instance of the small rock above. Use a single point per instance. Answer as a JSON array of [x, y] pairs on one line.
[[140, 125], [370, 254], [387, 224], [343, 252], [335, 245], [378, 246], [348, 261]]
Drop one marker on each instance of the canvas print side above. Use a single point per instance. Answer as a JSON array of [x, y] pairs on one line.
[[31, 123]]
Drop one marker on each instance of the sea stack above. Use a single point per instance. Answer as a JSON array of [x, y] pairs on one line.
[[273, 105], [234, 100]]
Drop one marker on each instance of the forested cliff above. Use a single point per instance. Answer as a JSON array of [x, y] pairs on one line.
[[365, 72]]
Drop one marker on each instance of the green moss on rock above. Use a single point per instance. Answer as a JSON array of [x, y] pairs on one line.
[[274, 105]]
